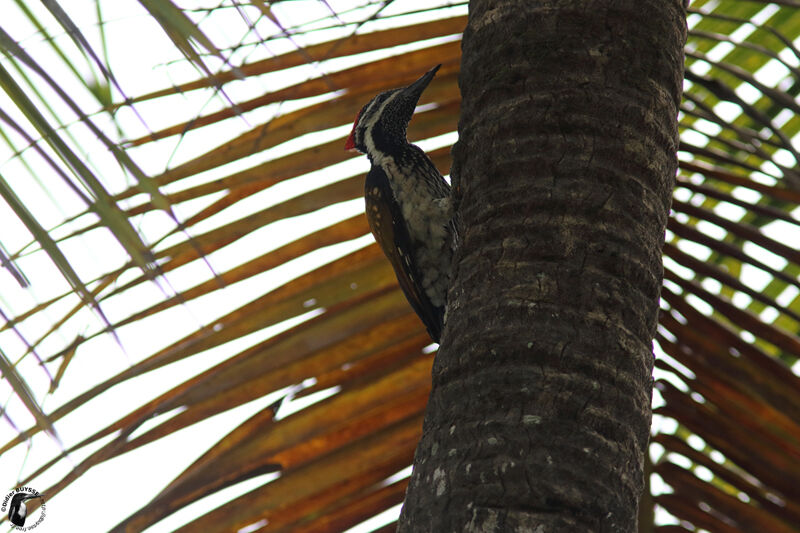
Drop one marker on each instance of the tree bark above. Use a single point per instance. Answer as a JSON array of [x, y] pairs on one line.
[[539, 415]]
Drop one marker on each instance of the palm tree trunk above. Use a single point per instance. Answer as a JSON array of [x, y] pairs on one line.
[[540, 411]]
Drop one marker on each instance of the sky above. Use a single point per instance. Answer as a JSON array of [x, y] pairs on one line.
[[116, 488]]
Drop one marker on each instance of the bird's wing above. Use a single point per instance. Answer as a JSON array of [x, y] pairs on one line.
[[388, 226]]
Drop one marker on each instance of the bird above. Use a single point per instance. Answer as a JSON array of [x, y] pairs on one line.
[[408, 202], [17, 510]]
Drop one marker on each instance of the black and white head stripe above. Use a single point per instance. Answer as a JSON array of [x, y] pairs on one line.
[[369, 116], [381, 124]]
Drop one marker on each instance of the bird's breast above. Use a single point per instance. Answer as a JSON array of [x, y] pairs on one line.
[[427, 216]]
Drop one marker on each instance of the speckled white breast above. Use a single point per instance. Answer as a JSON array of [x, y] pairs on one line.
[[427, 210]]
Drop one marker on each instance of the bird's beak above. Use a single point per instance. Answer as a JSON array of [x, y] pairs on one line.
[[418, 86]]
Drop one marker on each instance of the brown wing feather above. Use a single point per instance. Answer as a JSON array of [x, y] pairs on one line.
[[388, 227]]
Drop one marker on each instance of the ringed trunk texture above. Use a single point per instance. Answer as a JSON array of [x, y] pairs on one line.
[[539, 415]]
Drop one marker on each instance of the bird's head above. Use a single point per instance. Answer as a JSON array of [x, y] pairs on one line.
[[23, 497], [383, 121]]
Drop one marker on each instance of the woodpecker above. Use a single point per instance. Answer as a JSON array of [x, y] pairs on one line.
[[407, 201]]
